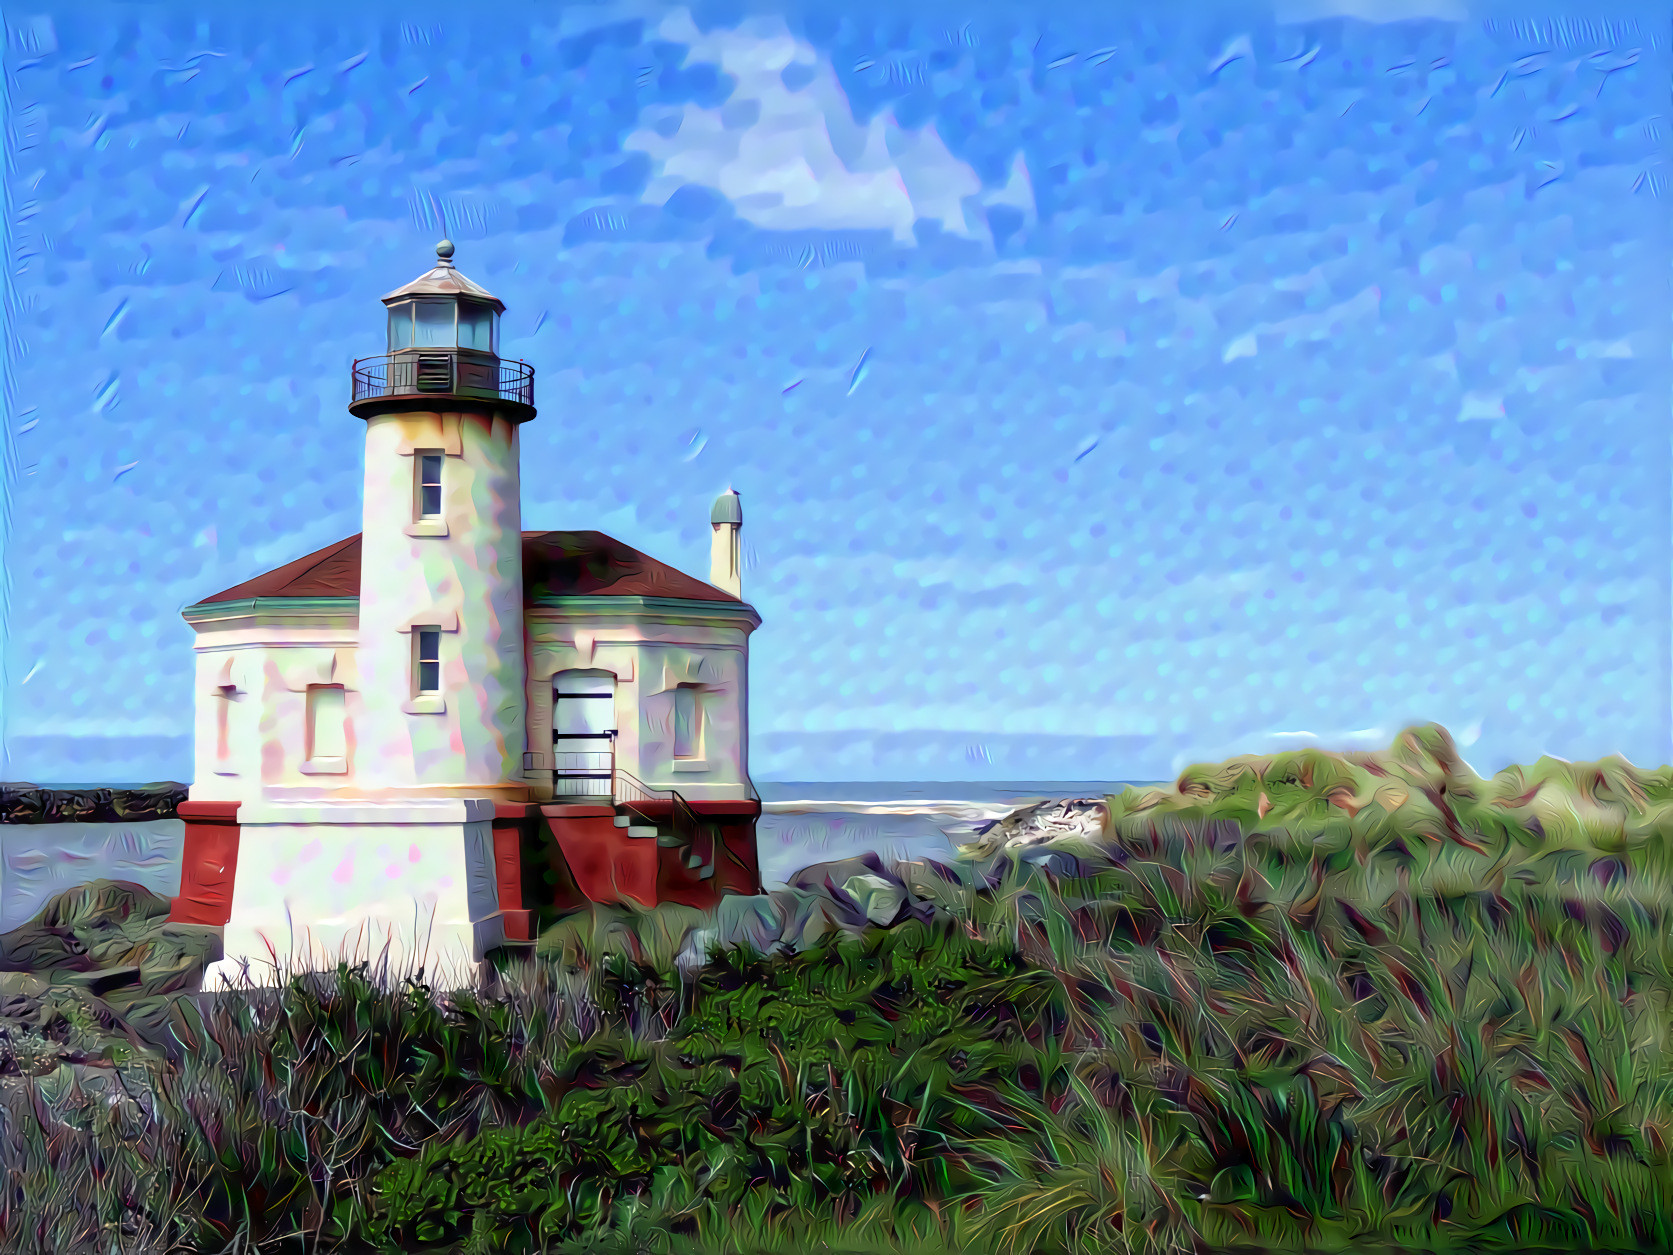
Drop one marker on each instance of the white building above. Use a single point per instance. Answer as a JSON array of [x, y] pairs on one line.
[[445, 726]]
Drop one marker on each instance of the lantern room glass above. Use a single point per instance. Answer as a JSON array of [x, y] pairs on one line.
[[437, 324], [476, 327], [432, 325], [400, 326]]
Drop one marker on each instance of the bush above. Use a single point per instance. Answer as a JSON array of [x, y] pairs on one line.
[[1309, 1002]]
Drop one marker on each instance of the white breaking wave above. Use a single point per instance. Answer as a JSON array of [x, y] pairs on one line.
[[950, 809]]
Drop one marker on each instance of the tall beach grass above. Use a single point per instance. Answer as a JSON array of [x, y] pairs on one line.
[[1303, 1002]]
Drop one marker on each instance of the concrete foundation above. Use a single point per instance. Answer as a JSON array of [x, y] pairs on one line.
[[321, 882]]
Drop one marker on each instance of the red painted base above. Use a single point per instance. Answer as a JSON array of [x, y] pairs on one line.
[[209, 864], [608, 865], [546, 856]]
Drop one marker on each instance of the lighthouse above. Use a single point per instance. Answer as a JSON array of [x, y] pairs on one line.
[[433, 738], [441, 572], [413, 719]]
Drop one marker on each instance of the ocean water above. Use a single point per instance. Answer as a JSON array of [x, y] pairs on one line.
[[804, 823], [814, 822]]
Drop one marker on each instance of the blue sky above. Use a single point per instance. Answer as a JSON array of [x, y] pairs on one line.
[[1106, 393]]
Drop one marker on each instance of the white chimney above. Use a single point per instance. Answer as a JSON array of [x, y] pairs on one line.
[[727, 520]]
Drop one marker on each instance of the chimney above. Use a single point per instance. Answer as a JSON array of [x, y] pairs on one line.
[[727, 520]]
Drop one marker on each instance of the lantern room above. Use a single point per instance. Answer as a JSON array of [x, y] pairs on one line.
[[464, 317], [443, 342]]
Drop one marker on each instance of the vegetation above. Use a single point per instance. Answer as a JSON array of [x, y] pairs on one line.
[[1304, 1002]]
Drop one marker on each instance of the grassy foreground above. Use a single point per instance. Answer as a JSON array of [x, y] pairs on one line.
[[1304, 1002]]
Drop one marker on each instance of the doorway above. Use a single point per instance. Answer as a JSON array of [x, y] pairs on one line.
[[583, 734]]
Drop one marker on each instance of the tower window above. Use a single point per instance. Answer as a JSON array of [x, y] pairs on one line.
[[429, 659], [688, 727], [429, 485]]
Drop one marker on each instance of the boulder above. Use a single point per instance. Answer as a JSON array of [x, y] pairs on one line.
[[1083, 818], [884, 901], [838, 871]]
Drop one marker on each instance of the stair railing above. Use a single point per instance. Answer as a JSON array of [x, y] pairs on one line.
[[694, 835]]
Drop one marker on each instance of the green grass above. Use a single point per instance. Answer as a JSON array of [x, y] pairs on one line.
[[1305, 1002]]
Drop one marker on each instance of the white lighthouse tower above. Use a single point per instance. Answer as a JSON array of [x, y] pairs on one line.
[[389, 847], [441, 582]]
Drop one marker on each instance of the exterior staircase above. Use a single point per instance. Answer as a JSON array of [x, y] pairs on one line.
[[663, 816]]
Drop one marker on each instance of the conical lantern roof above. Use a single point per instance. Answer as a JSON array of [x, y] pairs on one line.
[[444, 279]]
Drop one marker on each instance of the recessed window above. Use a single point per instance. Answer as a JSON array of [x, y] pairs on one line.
[[429, 485], [688, 730], [223, 722], [429, 659], [325, 722]]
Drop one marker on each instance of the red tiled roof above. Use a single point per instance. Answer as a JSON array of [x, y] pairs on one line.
[[331, 572], [555, 564]]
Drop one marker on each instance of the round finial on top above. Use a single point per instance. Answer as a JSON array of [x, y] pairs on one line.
[[444, 250]]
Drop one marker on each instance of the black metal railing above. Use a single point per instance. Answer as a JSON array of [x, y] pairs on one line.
[[696, 838], [585, 766], [442, 371]]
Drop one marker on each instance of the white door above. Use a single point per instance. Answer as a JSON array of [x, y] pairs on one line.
[[583, 733]]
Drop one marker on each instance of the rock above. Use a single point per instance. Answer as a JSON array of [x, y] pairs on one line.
[[101, 970], [883, 901], [1065, 818], [819, 920], [695, 952], [23, 803], [840, 870], [148, 801], [738, 920], [103, 905], [93, 925], [757, 920]]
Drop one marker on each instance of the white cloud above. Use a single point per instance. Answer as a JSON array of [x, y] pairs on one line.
[[1446, 363], [796, 159]]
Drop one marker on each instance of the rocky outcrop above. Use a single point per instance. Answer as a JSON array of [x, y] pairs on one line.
[[34, 804], [1055, 820], [98, 968]]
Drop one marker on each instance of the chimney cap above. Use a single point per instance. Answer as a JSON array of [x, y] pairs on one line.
[[728, 508]]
